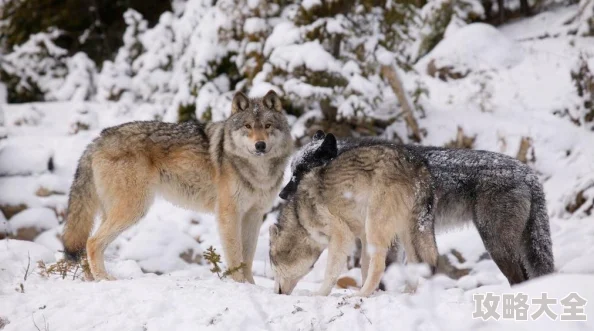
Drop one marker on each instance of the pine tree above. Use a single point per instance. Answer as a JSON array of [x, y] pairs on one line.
[[115, 80], [33, 70]]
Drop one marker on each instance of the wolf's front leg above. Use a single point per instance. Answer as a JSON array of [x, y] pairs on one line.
[[340, 245], [228, 220], [250, 229]]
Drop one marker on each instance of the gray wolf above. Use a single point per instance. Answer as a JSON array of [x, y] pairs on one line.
[[233, 168], [374, 193], [499, 194]]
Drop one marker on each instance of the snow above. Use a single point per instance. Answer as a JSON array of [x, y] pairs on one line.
[[39, 218], [310, 54], [24, 160], [516, 87], [475, 47], [254, 25], [309, 4], [284, 33], [193, 300]]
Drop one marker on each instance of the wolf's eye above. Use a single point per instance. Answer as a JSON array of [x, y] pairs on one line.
[[247, 126], [267, 126]]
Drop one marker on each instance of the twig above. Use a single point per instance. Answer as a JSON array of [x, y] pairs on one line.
[[28, 265], [75, 271], [334, 318], [45, 324], [368, 320], [578, 15]]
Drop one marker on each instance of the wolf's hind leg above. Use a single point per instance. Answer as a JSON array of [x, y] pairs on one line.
[[364, 259], [380, 231], [500, 220], [420, 247], [117, 219], [418, 237], [126, 194], [376, 266]]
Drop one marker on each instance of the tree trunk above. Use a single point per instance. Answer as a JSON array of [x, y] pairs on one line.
[[525, 7], [501, 11]]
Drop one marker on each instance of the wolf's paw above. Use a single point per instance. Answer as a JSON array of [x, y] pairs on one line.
[[250, 278], [104, 277], [359, 294], [323, 292], [238, 277]]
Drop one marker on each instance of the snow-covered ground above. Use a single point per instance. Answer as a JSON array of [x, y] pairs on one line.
[[515, 85]]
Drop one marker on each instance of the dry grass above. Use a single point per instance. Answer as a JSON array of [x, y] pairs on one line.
[[65, 268]]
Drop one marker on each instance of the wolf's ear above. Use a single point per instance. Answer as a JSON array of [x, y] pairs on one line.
[[240, 103], [272, 101], [274, 230], [319, 135], [328, 150]]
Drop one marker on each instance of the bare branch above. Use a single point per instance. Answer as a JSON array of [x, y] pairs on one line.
[[45, 324], [525, 145], [395, 82], [28, 266]]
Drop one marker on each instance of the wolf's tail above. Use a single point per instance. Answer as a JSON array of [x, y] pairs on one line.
[[538, 247], [82, 207]]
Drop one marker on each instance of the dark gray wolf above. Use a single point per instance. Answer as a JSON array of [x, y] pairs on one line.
[[233, 168], [499, 194]]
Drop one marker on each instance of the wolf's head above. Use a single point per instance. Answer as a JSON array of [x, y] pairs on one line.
[[321, 150], [293, 252], [258, 126]]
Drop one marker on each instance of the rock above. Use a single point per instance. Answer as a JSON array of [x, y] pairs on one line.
[[25, 159], [11, 210], [28, 233], [346, 282], [190, 257], [43, 192], [445, 266], [28, 224]]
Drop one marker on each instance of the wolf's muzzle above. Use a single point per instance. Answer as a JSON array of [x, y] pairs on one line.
[[260, 146]]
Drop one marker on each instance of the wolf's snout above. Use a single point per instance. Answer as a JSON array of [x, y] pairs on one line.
[[260, 146]]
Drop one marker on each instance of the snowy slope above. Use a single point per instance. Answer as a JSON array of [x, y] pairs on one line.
[[499, 101]]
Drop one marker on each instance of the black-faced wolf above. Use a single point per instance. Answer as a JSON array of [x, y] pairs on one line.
[[501, 195], [233, 168]]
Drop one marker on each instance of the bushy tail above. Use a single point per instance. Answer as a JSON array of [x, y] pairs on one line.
[[538, 247], [82, 207]]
